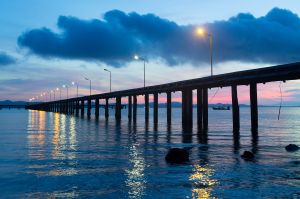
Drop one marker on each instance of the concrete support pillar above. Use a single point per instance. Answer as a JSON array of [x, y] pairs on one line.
[[200, 109], [253, 105], [169, 107], [205, 109], [187, 108], [89, 107], [235, 109], [73, 107], [155, 108], [77, 107], [146, 107], [82, 108], [97, 108], [129, 107], [106, 108], [60, 107], [67, 107], [134, 107], [118, 108]]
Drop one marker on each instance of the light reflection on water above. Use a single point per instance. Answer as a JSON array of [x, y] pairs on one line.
[[56, 135], [135, 175], [202, 181], [36, 137], [55, 155]]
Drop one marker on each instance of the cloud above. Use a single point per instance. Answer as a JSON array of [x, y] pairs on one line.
[[6, 59], [273, 38]]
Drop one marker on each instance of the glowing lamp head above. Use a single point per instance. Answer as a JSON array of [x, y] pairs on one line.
[[200, 31], [64, 86], [136, 57], [57, 89], [73, 83]]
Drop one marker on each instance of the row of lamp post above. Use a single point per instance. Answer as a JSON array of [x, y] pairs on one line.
[[199, 32], [52, 92]]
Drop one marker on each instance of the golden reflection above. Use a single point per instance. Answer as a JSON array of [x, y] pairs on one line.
[[136, 178], [72, 137], [36, 134], [62, 137], [202, 182], [64, 143], [56, 134], [42, 128]]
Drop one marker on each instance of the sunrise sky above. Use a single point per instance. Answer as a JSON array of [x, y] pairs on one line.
[[45, 44]]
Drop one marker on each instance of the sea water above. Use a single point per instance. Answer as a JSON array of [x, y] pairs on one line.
[[52, 155]]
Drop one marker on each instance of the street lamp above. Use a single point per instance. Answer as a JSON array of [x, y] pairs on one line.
[[59, 93], [90, 84], [73, 83], [136, 57], [53, 91], [202, 32], [66, 86], [50, 96], [109, 79]]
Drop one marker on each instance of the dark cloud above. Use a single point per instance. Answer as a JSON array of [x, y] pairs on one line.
[[273, 38], [6, 59]]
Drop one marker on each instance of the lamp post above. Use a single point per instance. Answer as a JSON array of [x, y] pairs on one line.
[[203, 32], [73, 83], [109, 79], [136, 57], [53, 91], [45, 96], [67, 87], [59, 93], [90, 84]]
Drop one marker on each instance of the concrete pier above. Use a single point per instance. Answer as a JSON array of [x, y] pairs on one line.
[[249, 77]]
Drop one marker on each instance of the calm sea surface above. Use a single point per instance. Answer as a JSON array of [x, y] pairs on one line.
[[51, 155]]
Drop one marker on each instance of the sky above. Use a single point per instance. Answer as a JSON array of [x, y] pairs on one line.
[[47, 44]]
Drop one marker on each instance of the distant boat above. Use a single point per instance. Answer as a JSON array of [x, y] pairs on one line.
[[221, 107]]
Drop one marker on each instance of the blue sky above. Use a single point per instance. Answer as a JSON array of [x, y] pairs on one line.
[[29, 68]]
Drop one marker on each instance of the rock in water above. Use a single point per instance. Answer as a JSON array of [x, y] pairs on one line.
[[248, 155], [176, 155], [291, 148]]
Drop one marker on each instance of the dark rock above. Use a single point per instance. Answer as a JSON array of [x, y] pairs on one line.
[[176, 155], [248, 155], [291, 148], [295, 162]]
